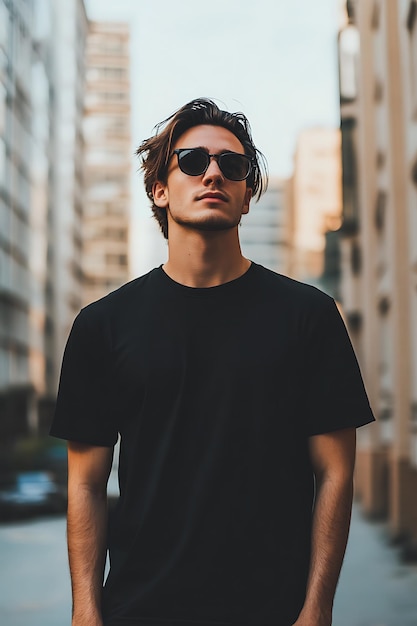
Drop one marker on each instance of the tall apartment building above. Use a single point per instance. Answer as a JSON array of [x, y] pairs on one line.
[[108, 155], [264, 230], [64, 280], [316, 202], [41, 172], [24, 145], [378, 94]]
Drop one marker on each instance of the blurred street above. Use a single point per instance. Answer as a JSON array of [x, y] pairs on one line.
[[375, 589]]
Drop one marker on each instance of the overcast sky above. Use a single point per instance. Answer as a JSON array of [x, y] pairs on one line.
[[275, 60]]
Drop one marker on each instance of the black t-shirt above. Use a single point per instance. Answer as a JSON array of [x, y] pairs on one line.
[[214, 393]]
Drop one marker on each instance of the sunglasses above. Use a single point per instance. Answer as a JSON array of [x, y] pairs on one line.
[[195, 161]]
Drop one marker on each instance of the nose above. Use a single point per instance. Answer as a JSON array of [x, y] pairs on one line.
[[213, 173]]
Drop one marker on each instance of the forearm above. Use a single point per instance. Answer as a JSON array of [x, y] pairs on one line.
[[331, 520], [87, 530]]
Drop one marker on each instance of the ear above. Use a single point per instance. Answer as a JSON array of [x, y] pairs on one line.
[[246, 200], [160, 194]]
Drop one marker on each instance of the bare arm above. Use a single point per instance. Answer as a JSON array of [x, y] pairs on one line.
[[333, 457], [88, 472]]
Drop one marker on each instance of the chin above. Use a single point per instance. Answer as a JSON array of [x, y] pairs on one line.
[[215, 226], [214, 223]]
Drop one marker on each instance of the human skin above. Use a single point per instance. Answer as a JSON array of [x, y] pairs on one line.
[[333, 458], [88, 472]]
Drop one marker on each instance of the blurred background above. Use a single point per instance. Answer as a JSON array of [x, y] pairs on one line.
[[330, 89]]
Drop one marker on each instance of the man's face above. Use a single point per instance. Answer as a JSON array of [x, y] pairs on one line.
[[209, 201]]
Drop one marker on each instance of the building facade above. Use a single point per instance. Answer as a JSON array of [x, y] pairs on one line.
[[64, 279], [264, 231], [24, 150], [64, 190], [41, 198], [378, 87], [108, 155], [316, 204]]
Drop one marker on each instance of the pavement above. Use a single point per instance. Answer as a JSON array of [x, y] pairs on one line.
[[375, 588]]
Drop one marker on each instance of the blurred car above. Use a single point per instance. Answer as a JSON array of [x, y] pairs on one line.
[[31, 493]]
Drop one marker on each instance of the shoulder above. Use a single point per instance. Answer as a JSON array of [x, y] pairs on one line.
[[120, 299], [97, 322], [292, 293]]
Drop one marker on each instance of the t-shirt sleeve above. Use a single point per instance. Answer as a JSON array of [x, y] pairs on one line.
[[84, 409], [337, 397]]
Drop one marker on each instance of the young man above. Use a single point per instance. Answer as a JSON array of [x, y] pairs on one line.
[[236, 394]]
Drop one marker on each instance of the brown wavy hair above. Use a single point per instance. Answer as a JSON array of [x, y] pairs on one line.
[[155, 152]]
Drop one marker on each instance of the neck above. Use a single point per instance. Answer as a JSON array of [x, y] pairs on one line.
[[204, 259]]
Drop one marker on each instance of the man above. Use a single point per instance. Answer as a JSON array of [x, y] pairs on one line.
[[236, 394]]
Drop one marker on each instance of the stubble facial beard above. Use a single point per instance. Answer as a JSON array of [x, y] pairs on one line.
[[207, 224]]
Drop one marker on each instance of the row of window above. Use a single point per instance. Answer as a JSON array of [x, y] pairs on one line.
[[106, 97], [107, 73], [117, 259], [349, 52], [108, 233], [21, 41], [14, 277], [13, 367], [104, 127], [105, 264], [107, 157], [14, 230], [101, 283], [117, 207], [13, 322], [108, 46], [14, 180]]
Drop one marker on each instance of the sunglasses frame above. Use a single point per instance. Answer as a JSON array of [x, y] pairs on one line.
[[217, 157]]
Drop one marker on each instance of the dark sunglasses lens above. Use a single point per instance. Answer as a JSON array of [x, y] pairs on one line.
[[234, 166], [193, 162]]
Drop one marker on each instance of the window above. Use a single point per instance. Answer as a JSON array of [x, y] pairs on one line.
[[378, 90], [414, 171], [348, 56], [384, 305], [116, 259], [4, 368], [376, 15], [355, 258], [4, 22], [3, 65], [412, 29], [2, 162], [380, 208], [114, 47], [106, 73]]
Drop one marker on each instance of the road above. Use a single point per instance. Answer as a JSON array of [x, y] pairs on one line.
[[375, 588]]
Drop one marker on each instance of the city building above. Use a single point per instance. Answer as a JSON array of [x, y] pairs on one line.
[[264, 230], [64, 190], [108, 156], [41, 198], [378, 95], [316, 203], [24, 171], [66, 70]]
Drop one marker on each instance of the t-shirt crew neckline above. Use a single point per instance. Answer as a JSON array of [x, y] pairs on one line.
[[206, 291]]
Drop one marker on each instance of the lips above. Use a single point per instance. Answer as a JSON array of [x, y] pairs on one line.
[[213, 195]]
